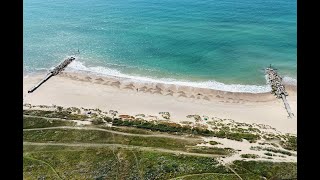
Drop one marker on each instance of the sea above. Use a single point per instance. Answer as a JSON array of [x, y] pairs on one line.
[[216, 44]]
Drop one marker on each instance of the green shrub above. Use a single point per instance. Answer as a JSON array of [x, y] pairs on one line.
[[253, 156], [267, 169], [98, 121], [290, 144], [268, 154], [38, 122], [237, 136], [55, 114], [213, 142], [108, 119], [270, 149], [211, 150], [173, 127]]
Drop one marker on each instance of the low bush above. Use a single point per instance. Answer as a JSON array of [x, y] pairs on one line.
[[253, 156]]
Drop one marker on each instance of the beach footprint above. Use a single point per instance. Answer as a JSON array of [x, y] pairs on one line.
[[116, 84], [106, 83], [169, 94], [87, 78], [206, 98], [149, 90], [182, 95], [99, 80]]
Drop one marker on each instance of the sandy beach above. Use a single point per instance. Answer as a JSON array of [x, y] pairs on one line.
[[128, 97]]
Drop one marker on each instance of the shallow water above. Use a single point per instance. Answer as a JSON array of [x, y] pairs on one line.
[[204, 43]]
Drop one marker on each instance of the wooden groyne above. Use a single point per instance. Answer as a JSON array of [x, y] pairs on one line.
[[53, 72], [277, 88]]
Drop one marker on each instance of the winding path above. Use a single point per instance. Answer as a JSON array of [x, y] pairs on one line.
[[34, 159]]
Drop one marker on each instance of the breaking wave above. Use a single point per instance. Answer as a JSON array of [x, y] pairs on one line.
[[99, 70]]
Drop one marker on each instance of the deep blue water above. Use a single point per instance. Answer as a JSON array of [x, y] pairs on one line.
[[200, 41]]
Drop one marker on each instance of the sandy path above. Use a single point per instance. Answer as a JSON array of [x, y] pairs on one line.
[[43, 162]]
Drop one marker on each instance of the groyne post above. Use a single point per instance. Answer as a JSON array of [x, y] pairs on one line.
[[41, 82], [277, 88], [286, 104], [53, 72]]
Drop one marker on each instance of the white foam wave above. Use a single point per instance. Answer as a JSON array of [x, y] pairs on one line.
[[79, 66], [40, 69], [289, 80]]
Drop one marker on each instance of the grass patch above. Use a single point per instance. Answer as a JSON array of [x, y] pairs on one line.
[[259, 148], [56, 114], [36, 122], [211, 176], [272, 137], [49, 162], [177, 128], [290, 144], [248, 130], [237, 136], [186, 122], [268, 154], [213, 143], [33, 169], [94, 136], [265, 143], [98, 121], [270, 170], [254, 130], [211, 150], [162, 127], [127, 129], [117, 163], [153, 125], [121, 163]]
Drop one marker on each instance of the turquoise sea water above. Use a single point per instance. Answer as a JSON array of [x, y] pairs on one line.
[[206, 43]]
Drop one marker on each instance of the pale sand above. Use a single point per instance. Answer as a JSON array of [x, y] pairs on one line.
[[106, 93]]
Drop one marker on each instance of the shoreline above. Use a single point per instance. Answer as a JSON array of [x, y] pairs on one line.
[[78, 68], [122, 83], [92, 91]]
